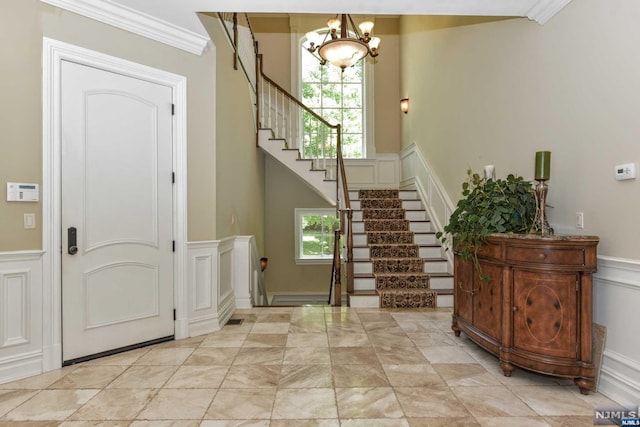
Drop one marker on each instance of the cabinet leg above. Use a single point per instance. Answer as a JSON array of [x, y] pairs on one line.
[[507, 368], [454, 327], [585, 384]]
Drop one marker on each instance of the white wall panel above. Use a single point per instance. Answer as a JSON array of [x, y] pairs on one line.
[[20, 314]]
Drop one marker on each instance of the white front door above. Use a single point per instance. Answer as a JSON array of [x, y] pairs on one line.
[[117, 197]]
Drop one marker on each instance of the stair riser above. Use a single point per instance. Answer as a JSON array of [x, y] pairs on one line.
[[418, 227], [373, 301], [424, 252], [416, 215], [441, 283], [418, 239], [403, 194], [406, 204], [429, 267]]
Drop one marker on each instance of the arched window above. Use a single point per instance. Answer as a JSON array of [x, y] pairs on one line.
[[339, 97]]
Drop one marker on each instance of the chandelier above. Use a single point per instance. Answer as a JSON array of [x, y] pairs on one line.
[[341, 49]]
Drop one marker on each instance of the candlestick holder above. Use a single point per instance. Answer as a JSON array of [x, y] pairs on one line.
[[540, 223]]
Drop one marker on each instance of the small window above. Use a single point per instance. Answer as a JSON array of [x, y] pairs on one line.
[[315, 235]]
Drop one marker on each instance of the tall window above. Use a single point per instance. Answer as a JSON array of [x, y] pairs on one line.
[[315, 235], [336, 96]]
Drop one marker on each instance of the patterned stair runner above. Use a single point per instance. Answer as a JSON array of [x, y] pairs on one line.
[[397, 266]]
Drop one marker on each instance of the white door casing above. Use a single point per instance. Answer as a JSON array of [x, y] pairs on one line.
[[54, 53], [117, 257]]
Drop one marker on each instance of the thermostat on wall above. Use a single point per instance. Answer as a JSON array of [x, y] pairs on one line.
[[21, 192], [627, 171]]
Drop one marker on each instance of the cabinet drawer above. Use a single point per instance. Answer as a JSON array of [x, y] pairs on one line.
[[542, 255]]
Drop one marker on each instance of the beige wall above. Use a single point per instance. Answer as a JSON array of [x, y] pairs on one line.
[[239, 164], [23, 23], [284, 192], [497, 92]]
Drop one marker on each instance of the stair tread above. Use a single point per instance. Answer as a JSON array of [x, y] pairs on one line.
[[363, 292]]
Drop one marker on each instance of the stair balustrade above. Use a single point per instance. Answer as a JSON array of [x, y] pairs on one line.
[[300, 128]]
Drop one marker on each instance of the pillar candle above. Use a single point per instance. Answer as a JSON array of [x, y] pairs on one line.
[[489, 172], [543, 165]]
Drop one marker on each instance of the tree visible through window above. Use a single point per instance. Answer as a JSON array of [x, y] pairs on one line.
[[315, 234], [338, 97]]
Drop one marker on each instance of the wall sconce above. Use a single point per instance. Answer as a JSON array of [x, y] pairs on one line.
[[404, 105]]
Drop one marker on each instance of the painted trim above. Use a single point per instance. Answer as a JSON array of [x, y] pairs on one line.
[[544, 10], [54, 52], [137, 22], [616, 295]]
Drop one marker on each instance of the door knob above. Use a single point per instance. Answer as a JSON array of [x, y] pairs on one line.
[[72, 237]]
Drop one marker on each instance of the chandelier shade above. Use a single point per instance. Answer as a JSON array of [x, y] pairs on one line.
[[343, 46]]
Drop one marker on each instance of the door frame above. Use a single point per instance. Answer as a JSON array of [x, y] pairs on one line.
[[53, 53]]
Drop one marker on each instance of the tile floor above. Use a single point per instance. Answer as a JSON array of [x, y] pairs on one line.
[[302, 366]]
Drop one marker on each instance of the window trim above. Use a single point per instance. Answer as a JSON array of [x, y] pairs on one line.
[[369, 148], [299, 213]]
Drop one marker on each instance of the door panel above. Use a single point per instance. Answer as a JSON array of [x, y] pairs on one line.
[[117, 162]]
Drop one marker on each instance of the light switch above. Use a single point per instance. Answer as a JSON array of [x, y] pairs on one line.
[[29, 220]]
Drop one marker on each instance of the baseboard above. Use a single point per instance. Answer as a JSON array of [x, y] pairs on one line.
[[204, 325], [21, 366], [620, 379]]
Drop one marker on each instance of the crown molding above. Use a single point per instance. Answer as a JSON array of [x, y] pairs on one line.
[[119, 16], [543, 10]]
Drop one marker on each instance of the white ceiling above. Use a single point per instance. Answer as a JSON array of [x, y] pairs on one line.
[[175, 21]]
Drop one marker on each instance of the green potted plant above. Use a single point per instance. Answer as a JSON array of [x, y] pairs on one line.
[[488, 206]]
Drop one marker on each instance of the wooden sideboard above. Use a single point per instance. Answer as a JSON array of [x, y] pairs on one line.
[[535, 310]]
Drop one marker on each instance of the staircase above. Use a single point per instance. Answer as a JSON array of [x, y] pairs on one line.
[[398, 261]]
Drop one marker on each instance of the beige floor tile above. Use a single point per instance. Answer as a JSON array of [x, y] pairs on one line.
[[307, 340], [51, 405], [353, 356], [307, 326], [224, 340], [165, 423], [197, 376], [384, 339], [492, 401], [115, 404], [165, 356], [305, 423], [512, 421], [259, 356], [306, 355], [348, 339], [265, 340], [377, 422], [460, 374], [89, 377], [213, 356], [242, 404], [359, 376], [125, 359], [235, 423], [178, 404], [10, 399], [432, 401], [412, 375], [569, 421], [38, 382], [368, 402], [270, 328], [305, 376], [144, 377], [391, 356], [446, 354], [431, 339], [553, 400], [444, 422], [268, 317], [417, 326], [249, 376], [311, 403]]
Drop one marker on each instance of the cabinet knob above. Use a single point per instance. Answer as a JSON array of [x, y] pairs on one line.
[[514, 308], [542, 255]]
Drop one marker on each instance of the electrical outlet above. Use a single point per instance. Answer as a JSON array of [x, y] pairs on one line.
[[29, 220], [579, 220]]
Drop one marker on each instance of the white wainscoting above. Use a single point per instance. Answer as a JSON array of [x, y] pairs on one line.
[[416, 173], [381, 172], [616, 305], [20, 314], [223, 275]]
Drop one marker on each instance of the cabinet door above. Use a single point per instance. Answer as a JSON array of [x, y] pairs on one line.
[[487, 300], [463, 285], [544, 313]]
